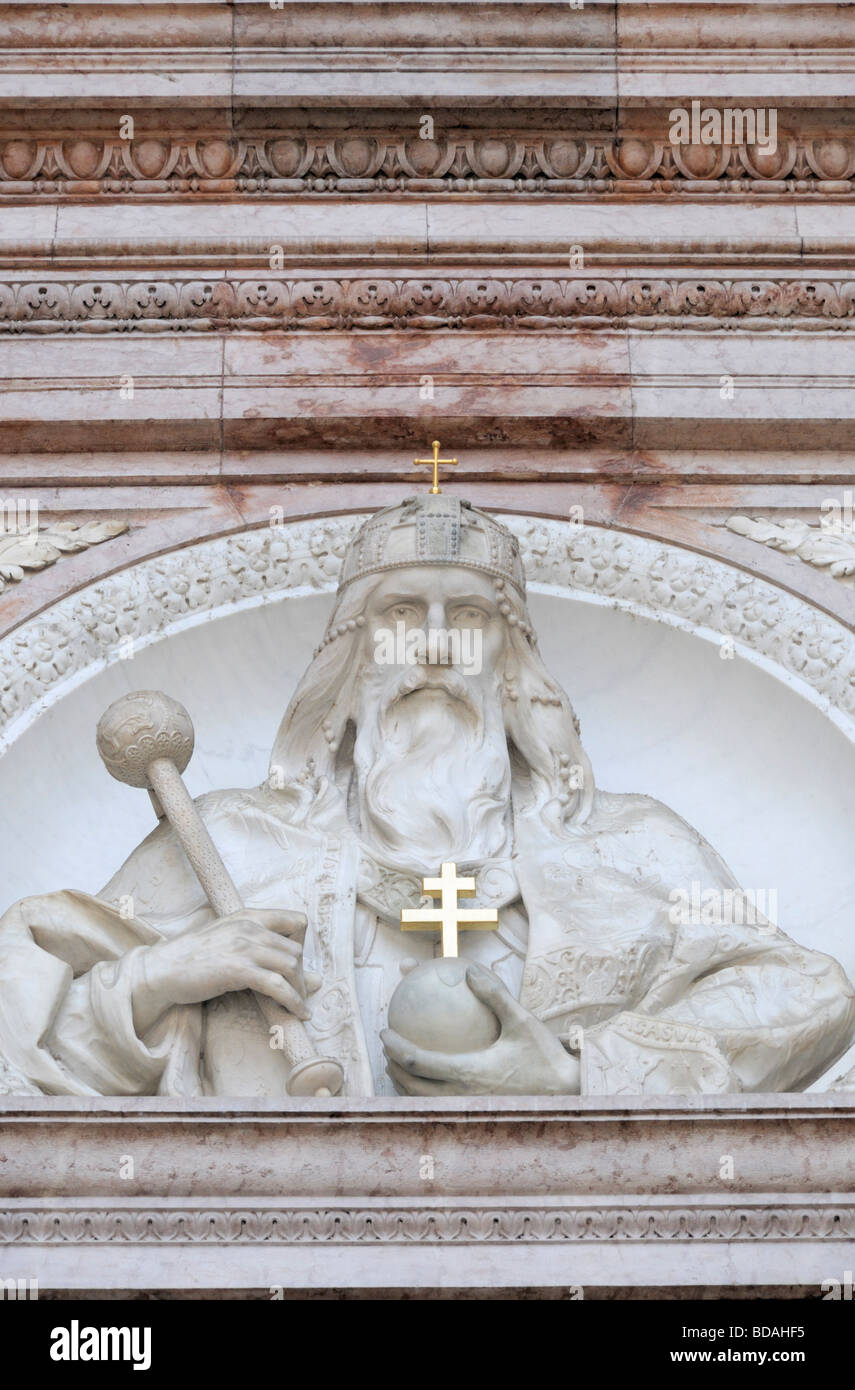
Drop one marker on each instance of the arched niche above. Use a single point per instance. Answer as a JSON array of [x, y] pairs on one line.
[[730, 699]]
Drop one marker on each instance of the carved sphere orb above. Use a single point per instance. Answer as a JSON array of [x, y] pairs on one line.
[[140, 727], [434, 1008]]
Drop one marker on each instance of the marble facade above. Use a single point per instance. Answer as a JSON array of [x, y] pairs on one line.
[[256, 308]]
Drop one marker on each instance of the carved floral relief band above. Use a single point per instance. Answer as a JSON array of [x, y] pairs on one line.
[[81, 634], [371, 303]]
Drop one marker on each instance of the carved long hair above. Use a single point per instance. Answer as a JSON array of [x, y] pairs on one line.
[[551, 770]]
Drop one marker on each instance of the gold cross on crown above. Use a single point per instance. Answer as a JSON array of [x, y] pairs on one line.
[[448, 916], [435, 463]]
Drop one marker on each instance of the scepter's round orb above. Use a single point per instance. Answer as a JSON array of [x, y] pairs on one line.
[[140, 727], [434, 1008]]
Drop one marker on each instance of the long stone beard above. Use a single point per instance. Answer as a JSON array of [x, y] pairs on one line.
[[433, 771]]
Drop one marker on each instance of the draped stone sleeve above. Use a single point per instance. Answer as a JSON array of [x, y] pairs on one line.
[[70, 962], [68, 966], [93, 1033], [735, 1012], [664, 1004]]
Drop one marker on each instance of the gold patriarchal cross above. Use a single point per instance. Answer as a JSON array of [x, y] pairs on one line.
[[435, 463], [448, 916]]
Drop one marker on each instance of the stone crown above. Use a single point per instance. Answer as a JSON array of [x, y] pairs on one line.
[[434, 530]]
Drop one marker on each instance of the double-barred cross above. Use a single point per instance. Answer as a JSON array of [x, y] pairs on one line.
[[448, 917]]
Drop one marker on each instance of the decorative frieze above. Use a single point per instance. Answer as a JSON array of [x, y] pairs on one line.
[[472, 1223], [355, 161], [373, 303]]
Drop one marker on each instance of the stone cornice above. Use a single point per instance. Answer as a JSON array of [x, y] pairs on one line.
[[628, 24], [246, 78], [689, 1133], [618, 1186], [740, 384], [363, 52]]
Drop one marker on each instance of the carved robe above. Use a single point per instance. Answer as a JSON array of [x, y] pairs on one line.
[[586, 942]]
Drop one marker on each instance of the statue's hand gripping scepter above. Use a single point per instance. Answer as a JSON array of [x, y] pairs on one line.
[[146, 739]]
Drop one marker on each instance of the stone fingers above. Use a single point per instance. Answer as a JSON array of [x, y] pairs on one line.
[[290, 926], [437, 1066], [419, 1085], [273, 986], [264, 957]]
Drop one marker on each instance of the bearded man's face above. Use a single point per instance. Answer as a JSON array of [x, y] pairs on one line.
[[431, 755]]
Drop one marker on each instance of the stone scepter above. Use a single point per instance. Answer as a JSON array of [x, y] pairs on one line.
[[146, 740]]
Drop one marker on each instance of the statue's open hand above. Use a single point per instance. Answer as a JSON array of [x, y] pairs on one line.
[[525, 1060], [256, 948]]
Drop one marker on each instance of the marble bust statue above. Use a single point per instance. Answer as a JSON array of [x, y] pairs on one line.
[[380, 772]]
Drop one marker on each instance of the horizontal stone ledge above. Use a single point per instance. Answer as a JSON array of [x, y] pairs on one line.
[[793, 1164], [448, 1293], [625, 26], [767, 1106], [312, 259], [798, 1265], [524, 77], [426, 236], [397, 359], [437, 77], [753, 478], [611, 389], [209, 92], [588, 427], [252, 190], [254, 24]]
